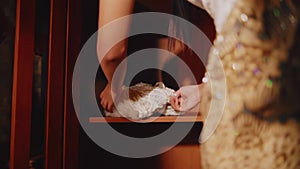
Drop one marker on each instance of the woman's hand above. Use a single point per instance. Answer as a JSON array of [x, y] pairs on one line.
[[187, 99]]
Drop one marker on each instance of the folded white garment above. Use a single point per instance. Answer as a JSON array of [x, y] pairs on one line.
[[151, 102]]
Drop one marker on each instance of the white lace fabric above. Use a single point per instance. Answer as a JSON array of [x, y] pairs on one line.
[[156, 101]]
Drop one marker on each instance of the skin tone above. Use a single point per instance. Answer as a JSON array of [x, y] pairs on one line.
[[187, 98], [109, 10]]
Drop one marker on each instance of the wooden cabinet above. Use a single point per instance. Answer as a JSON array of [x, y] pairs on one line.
[[66, 146], [185, 155]]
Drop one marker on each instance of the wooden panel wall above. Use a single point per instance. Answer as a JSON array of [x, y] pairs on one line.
[[73, 46], [22, 84], [55, 87]]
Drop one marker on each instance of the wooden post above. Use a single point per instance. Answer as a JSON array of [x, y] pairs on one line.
[[55, 87], [71, 124], [22, 84]]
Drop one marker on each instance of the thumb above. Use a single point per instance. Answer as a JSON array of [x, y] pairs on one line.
[[175, 101]]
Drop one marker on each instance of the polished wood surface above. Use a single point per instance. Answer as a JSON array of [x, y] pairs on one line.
[[163, 119], [185, 155], [73, 47], [22, 84], [55, 87], [182, 157]]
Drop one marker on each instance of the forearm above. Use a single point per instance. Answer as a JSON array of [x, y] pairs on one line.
[[109, 11], [114, 72]]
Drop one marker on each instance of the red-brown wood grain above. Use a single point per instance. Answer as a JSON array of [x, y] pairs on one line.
[[163, 119], [22, 84], [55, 87], [73, 47]]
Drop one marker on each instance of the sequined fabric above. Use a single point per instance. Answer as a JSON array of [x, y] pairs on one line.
[[260, 126]]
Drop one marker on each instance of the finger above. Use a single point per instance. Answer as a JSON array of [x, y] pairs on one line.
[[110, 107], [102, 101], [176, 96], [101, 95], [176, 104], [172, 102], [104, 105]]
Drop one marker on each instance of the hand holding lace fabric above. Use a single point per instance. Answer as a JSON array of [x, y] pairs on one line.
[[144, 100]]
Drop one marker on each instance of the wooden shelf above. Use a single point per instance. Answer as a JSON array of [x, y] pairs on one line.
[[162, 119]]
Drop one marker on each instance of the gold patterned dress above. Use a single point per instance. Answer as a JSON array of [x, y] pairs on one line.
[[260, 54]]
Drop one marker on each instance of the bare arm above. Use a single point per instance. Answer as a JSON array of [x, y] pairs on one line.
[[109, 10]]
